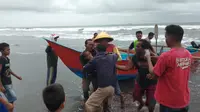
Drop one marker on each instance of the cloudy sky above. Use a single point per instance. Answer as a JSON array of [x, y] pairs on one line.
[[96, 12]]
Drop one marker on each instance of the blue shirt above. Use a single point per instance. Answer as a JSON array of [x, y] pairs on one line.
[[105, 66], [2, 106]]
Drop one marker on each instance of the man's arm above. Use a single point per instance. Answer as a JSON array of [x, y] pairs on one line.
[[159, 68], [15, 75], [81, 58], [89, 67], [152, 74], [1, 85], [116, 50], [125, 67], [130, 48], [48, 49]]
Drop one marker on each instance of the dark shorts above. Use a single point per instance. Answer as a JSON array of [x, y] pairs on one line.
[[139, 92], [168, 109]]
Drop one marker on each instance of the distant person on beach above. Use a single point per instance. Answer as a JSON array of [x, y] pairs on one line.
[[150, 36], [94, 36], [5, 74], [172, 71], [5, 106], [85, 57], [134, 43], [52, 60], [142, 83], [54, 97], [104, 64], [104, 39]]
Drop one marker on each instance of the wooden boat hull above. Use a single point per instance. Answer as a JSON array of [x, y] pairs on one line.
[[70, 58]]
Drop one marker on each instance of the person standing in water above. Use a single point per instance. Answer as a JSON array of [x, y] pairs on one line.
[[134, 43], [142, 83], [172, 71], [84, 59], [103, 38], [52, 60]]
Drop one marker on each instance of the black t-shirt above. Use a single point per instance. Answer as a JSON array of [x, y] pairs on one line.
[[5, 72], [52, 58], [143, 70], [131, 46]]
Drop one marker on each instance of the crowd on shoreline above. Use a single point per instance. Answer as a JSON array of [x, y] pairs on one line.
[[162, 79]]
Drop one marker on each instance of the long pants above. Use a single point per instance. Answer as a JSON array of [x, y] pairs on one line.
[[96, 100], [86, 85], [51, 75]]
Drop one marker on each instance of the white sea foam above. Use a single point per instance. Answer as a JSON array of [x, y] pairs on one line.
[[27, 53], [91, 29]]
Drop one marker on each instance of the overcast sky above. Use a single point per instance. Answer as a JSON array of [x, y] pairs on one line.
[[96, 12]]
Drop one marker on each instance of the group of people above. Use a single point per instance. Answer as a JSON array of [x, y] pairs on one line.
[[162, 79]]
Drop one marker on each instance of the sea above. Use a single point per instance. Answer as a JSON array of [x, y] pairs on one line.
[[28, 59]]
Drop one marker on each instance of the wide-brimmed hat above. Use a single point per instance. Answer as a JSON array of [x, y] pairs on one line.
[[103, 35]]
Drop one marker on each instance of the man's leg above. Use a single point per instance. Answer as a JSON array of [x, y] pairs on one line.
[[94, 83], [150, 101], [119, 93], [138, 93], [54, 75], [51, 75], [86, 88], [94, 103], [108, 103]]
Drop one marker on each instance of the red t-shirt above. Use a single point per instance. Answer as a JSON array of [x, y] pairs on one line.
[[173, 70]]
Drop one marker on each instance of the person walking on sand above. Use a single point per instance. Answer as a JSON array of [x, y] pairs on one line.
[[5, 74], [172, 71], [103, 38], [104, 64], [52, 60], [142, 83]]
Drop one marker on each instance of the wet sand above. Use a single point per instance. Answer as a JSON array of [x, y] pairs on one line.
[[32, 68]]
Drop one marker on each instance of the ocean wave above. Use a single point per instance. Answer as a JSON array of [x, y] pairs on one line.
[[27, 53], [93, 29]]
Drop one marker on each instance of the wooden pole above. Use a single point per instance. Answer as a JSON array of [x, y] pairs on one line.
[[156, 35]]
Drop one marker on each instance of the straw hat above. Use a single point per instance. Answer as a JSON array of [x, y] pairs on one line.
[[103, 35]]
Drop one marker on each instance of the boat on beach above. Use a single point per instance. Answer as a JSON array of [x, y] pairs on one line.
[[70, 57]]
